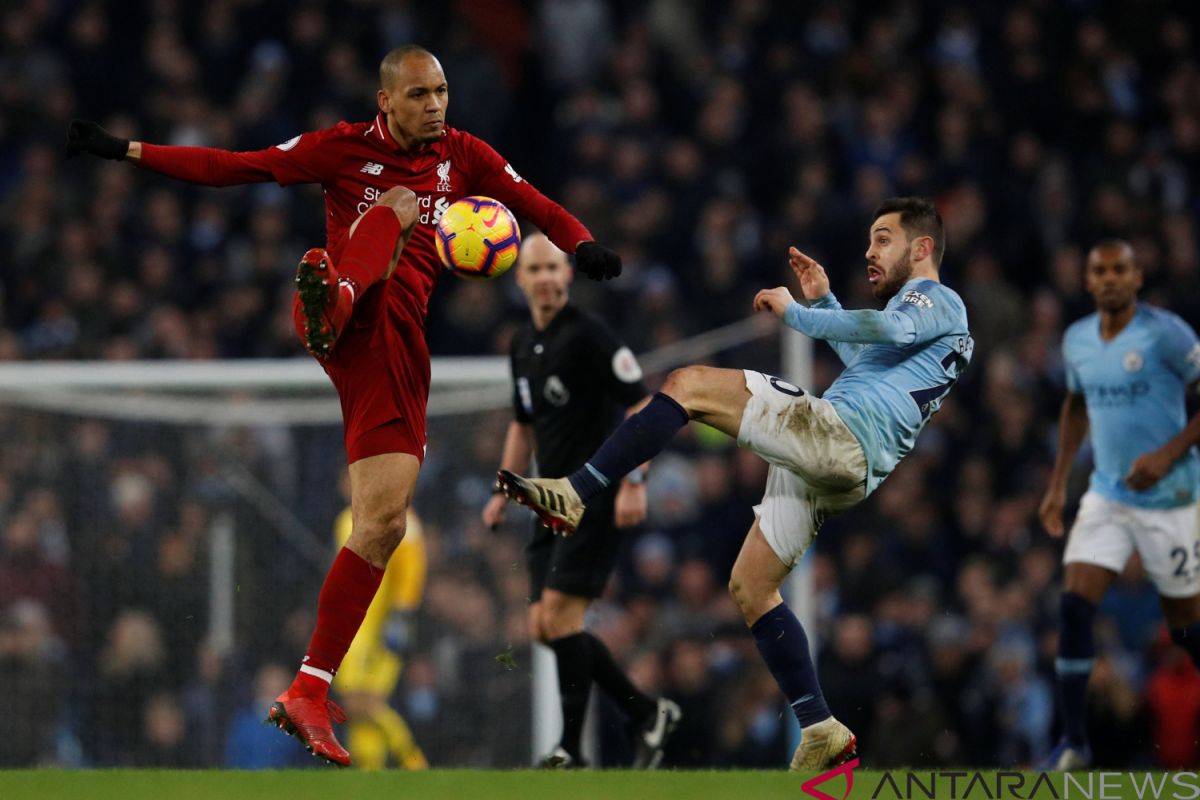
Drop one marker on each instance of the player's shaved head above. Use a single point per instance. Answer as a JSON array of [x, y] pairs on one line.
[[413, 95], [390, 66]]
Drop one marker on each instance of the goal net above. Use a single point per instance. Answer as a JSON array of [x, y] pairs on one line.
[[166, 527]]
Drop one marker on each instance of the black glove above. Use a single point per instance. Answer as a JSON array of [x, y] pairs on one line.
[[84, 136], [597, 262]]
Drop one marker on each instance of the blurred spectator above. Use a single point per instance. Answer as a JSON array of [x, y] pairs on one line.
[[1173, 695], [132, 670], [166, 739], [249, 743], [33, 670], [26, 573]]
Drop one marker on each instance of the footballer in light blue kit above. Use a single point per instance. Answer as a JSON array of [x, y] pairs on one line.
[[1128, 369], [826, 453]]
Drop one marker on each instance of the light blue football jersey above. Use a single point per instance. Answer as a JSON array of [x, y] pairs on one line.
[[1134, 387], [900, 363]]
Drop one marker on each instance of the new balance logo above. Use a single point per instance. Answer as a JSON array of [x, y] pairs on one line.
[[371, 168]]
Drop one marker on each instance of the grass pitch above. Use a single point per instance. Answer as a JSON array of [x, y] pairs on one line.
[[327, 784], [439, 784]]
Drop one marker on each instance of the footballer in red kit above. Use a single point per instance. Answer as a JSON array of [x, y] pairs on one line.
[[360, 309]]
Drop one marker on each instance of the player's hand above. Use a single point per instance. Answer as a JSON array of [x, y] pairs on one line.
[[774, 300], [813, 280], [1147, 470], [493, 512], [399, 632], [630, 508], [597, 262], [84, 136], [1051, 510]]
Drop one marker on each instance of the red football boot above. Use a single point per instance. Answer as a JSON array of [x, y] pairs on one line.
[[325, 302], [309, 721]]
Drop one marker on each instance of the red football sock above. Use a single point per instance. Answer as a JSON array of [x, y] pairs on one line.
[[369, 250], [349, 588]]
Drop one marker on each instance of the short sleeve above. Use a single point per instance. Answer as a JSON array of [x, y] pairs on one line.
[[1074, 384], [522, 397], [617, 363], [932, 313], [1181, 348]]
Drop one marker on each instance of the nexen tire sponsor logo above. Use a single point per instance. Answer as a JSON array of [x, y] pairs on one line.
[[1115, 394]]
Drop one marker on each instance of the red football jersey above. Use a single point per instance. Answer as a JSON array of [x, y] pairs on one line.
[[355, 163]]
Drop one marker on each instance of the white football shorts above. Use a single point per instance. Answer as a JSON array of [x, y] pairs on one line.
[[817, 465], [1106, 533]]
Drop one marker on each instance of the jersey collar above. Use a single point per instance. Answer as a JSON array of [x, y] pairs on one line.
[[379, 130]]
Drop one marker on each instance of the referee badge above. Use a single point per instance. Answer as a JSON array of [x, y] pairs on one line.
[[1132, 361], [555, 392], [625, 366]]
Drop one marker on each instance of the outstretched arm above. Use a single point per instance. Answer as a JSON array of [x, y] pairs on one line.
[[497, 178], [208, 166], [900, 326], [863, 326], [857, 327]]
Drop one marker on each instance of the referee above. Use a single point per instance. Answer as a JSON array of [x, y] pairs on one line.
[[571, 376]]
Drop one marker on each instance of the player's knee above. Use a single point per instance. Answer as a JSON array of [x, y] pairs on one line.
[[393, 528], [739, 593], [403, 201], [681, 384], [378, 536], [751, 600], [536, 633], [561, 617]]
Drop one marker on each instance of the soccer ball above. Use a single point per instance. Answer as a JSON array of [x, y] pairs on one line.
[[477, 238]]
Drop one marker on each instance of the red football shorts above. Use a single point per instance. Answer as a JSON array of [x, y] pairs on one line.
[[380, 368]]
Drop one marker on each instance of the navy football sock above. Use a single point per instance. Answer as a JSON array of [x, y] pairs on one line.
[[616, 684], [1074, 665], [573, 654], [784, 646], [635, 441], [1188, 638]]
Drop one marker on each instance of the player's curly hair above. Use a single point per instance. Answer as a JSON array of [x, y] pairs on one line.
[[918, 217]]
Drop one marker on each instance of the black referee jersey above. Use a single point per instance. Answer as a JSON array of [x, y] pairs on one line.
[[573, 382]]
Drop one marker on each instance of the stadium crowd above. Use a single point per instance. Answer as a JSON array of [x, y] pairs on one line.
[[702, 138]]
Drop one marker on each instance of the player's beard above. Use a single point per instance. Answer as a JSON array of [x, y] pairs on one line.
[[1116, 302], [900, 274]]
